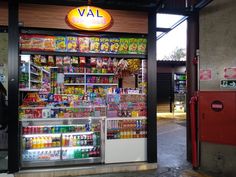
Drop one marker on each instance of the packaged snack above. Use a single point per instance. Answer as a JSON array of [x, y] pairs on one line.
[[37, 59], [59, 60], [66, 60], [114, 45], [104, 45], [74, 60], [99, 63], [93, 62], [94, 45], [50, 61], [142, 45], [49, 43], [83, 44], [37, 42], [25, 42], [133, 45], [60, 43], [71, 44], [124, 45], [82, 61], [43, 60]]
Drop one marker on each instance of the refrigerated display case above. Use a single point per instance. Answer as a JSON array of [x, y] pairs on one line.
[[126, 128], [179, 93], [62, 140]]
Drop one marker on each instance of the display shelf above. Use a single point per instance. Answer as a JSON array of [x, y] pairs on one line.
[[141, 56], [46, 163], [34, 65], [36, 74], [44, 149], [75, 107], [36, 81], [43, 134], [100, 74], [74, 74], [127, 118], [72, 84], [58, 119], [80, 133], [29, 90], [44, 70], [90, 84], [78, 147]]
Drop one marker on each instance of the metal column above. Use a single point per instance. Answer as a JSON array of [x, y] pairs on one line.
[[192, 85], [13, 86], [152, 87]]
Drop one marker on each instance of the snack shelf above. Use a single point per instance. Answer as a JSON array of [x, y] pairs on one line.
[[75, 107], [126, 118], [58, 119], [89, 84], [74, 74], [115, 55], [100, 74], [44, 70], [29, 90], [69, 84], [36, 81], [36, 74]]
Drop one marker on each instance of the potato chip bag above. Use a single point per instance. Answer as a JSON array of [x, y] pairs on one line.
[[60, 43], [114, 45], [124, 46], [142, 45], [71, 44], [94, 45], [83, 44], [104, 45], [133, 45]]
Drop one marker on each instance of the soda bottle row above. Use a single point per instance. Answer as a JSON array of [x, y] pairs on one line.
[[81, 140], [80, 153], [40, 142], [126, 124], [126, 133], [41, 155], [60, 129]]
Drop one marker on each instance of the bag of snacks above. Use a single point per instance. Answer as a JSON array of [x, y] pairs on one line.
[[114, 45], [59, 60], [104, 45], [83, 44], [49, 43], [124, 46], [60, 43], [71, 44], [142, 45], [66, 60], [94, 45], [133, 45]]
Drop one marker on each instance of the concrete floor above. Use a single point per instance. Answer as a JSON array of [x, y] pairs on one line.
[[172, 162]]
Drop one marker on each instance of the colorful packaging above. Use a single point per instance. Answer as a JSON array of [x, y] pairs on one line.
[[142, 45], [114, 45], [133, 45], [124, 46], [82, 61], [59, 60], [94, 45], [25, 42], [75, 60], [37, 42], [60, 43], [104, 45], [66, 60], [50, 61], [71, 44], [43, 60], [83, 44], [49, 43]]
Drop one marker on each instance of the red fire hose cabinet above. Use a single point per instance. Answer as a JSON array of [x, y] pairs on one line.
[[217, 117]]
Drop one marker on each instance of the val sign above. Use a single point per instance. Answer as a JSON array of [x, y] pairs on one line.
[[89, 18]]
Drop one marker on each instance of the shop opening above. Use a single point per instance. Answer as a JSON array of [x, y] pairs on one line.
[[171, 89]]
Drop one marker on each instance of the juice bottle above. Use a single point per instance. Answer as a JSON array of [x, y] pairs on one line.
[[63, 140], [74, 141]]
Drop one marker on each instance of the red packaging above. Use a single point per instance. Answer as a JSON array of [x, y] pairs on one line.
[[37, 113]]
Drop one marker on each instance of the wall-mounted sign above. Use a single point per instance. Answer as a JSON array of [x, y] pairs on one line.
[[89, 18], [230, 73], [217, 106], [228, 84], [205, 74]]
